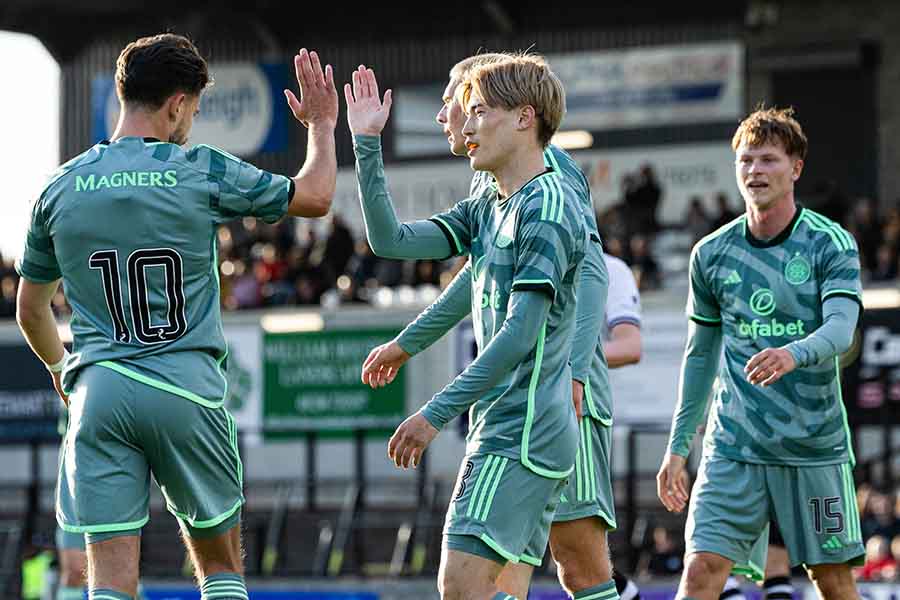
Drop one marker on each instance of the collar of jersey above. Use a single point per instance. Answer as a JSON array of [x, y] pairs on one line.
[[785, 233], [147, 140], [502, 201]]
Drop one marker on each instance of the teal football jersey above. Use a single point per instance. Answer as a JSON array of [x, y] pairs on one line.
[[598, 393], [533, 240], [130, 227], [765, 295]]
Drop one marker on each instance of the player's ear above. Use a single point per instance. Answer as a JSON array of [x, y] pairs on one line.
[[176, 105], [797, 169], [527, 116]]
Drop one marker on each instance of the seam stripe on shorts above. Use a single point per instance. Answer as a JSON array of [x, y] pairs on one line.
[[490, 499], [851, 502], [592, 464], [585, 461], [579, 467], [478, 483], [485, 489]]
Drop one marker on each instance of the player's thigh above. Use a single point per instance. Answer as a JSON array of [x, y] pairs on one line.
[[503, 506], [193, 453], [588, 491], [104, 480], [728, 511], [515, 579], [817, 513]]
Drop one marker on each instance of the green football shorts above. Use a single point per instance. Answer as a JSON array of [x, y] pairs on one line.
[[589, 491], [501, 510], [120, 432], [815, 508]]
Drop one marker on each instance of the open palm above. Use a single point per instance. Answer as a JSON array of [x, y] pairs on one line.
[[366, 112]]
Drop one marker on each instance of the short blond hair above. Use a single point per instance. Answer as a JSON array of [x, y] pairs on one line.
[[772, 125], [520, 80], [461, 70]]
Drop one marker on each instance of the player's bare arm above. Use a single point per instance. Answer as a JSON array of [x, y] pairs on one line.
[[317, 109], [38, 325]]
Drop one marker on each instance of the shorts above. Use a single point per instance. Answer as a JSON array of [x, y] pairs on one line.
[[815, 507], [501, 510], [589, 491], [120, 432]]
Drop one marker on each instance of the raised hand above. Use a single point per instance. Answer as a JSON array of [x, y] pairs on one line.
[[383, 364], [318, 104], [766, 367], [366, 112]]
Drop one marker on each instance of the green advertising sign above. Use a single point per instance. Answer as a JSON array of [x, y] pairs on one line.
[[311, 382]]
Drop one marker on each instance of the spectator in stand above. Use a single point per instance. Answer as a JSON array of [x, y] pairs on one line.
[[696, 222], [665, 559], [880, 518], [867, 231], [880, 564], [885, 268], [338, 249], [642, 200], [8, 286], [726, 215], [646, 271]]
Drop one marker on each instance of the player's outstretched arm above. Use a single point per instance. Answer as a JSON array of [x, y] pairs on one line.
[[38, 325], [317, 109], [832, 338], [366, 115], [384, 362]]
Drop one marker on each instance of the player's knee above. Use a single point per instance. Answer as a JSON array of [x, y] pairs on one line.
[[457, 586], [702, 567], [832, 580], [73, 569], [580, 567]]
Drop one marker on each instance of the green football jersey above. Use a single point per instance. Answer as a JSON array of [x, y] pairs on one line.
[[598, 394], [130, 227], [533, 240], [765, 295]]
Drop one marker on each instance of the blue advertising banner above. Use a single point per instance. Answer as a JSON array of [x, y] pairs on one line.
[[244, 112]]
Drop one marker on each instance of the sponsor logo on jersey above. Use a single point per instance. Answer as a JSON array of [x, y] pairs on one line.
[[762, 302], [797, 270], [758, 328], [94, 182]]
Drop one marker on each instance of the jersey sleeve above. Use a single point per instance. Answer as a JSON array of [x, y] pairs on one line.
[[702, 306], [38, 263], [457, 225], [550, 237], [840, 267], [239, 189], [623, 302]]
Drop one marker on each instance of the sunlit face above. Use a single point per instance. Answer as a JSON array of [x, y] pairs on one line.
[[452, 117], [489, 132], [186, 110], [765, 174]]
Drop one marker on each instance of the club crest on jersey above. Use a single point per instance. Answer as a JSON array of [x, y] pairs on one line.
[[797, 270]]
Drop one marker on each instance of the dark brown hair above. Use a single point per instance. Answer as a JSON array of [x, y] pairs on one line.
[[151, 69]]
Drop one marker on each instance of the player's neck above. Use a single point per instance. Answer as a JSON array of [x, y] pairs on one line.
[[766, 223], [521, 168], [136, 123]]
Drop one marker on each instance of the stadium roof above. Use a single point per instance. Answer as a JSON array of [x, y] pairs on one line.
[[66, 27]]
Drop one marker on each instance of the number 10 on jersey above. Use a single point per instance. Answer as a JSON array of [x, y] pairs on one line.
[[107, 262]]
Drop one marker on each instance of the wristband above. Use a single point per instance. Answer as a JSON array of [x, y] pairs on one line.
[[58, 367]]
